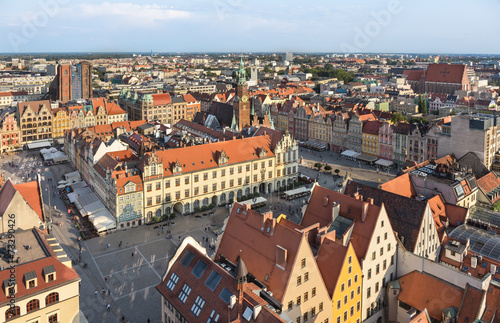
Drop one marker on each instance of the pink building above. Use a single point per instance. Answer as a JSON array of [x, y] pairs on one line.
[[385, 139], [9, 134]]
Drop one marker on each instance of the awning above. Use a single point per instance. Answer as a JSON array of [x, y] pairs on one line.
[[251, 202], [366, 158], [103, 221], [39, 144], [72, 197], [383, 163], [350, 153], [296, 191], [72, 175]]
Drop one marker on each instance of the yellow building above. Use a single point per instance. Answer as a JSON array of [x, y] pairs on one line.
[[320, 128], [370, 137], [342, 274], [45, 288], [60, 121]]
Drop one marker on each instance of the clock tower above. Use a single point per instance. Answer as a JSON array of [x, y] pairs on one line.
[[242, 103]]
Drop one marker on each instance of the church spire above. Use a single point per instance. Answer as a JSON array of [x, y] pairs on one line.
[[271, 123], [241, 72], [252, 111]]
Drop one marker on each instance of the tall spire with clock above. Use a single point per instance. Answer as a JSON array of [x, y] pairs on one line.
[[241, 103]]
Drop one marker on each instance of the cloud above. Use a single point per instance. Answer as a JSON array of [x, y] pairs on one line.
[[143, 13]]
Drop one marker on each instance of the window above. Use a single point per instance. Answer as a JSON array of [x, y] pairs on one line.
[[342, 287], [376, 287], [377, 269], [313, 311], [306, 277], [214, 317], [149, 187], [53, 318], [345, 316], [214, 174], [368, 292], [197, 306], [172, 281], [205, 188], [381, 251], [32, 305], [177, 182], [255, 166], [382, 224], [231, 183], [345, 299], [355, 279], [306, 296], [12, 312], [303, 262], [378, 239], [369, 273], [177, 196], [338, 319], [231, 171], [214, 187], [358, 306], [320, 306], [339, 304], [183, 295], [349, 283], [313, 292], [374, 255], [358, 291], [350, 269], [385, 236], [213, 280], [158, 186], [52, 298], [290, 305], [352, 294], [384, 266], [186, 180], [392, 260], [388, 247], [305, 316], [240, 169], [167, 184], [298, 319], [199, 269], [352, 311], [299, 280], [298, 300], [205, 176]]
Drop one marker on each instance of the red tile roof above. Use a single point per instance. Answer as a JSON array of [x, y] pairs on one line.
[[488, 183], [420, 290], [447, 73], [255, 237], [213, 301], [372, 127], [330, 259]]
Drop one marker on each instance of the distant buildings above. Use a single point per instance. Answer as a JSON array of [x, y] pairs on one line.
[[72, 82]]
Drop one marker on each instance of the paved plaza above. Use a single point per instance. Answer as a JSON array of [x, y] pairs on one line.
[[129, 273]]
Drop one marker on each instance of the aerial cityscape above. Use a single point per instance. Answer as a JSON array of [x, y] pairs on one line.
[[231, 161]]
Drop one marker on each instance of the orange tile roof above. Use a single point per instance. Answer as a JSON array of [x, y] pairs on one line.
[[194, 158], [31, 194], [161, 99], [420, 290], [423, 317], [400, 185], [491, 313], [469, 310], [246, 235], [114, 109], [350, 208], [189, 98], [447, 73], [330, 259]]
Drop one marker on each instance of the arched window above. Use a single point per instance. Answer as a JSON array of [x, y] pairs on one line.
[[158, 213], [52, 298], [12, 312], [32, 305]]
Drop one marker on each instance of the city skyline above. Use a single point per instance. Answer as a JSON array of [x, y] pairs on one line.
[[236, 26]]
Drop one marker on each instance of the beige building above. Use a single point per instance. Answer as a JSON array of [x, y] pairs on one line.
[[44, 288], [186, 179], [35, 120]]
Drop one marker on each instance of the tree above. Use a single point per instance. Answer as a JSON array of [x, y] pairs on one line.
[[318, 166], [328, 168], [337, 171], [396, 117], [422, 105]]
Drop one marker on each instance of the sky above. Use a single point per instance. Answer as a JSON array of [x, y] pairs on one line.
[[356, 26]]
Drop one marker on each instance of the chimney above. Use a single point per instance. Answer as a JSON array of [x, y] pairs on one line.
[[370, 200], [355, 195], [325, 201], [335, 210], [364, 211]]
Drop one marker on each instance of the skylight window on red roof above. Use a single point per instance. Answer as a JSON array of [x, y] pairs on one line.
[[172, 281], [199, 269]]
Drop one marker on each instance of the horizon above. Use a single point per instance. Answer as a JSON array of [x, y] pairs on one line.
[[234, 26]]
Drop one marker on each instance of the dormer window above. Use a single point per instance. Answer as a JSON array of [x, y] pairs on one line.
[[30, 279], [9, 287], [49, 273]]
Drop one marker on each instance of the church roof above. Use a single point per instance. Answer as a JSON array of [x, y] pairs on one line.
[[446, 73]]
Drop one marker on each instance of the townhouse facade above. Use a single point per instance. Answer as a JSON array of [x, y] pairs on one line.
[[10, 134], [386, 137], [370, 143]]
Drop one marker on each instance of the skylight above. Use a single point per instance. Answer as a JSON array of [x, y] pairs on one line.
[[183, 295], [213, 280], [199, 269], [247, 315], [225, 295], [186, 260], [197, 306]]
